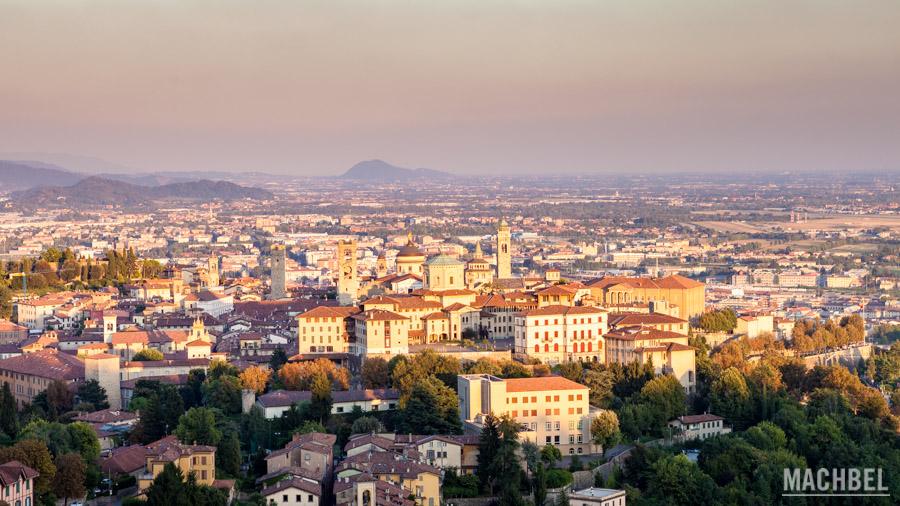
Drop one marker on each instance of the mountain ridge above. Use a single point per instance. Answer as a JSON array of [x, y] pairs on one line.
[[379, 170]]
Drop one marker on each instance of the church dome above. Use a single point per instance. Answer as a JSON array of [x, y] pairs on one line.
[[410, 250]]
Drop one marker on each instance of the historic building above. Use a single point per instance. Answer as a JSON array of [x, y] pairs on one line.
[[685, 293], [347, 282], [557, 334], [410, 260], [278, 289], [444, 273]]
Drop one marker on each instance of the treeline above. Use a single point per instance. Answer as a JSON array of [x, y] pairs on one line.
[[811, 335]]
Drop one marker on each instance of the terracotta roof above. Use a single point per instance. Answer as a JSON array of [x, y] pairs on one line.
[[562, 310], [330, 312], [48, 364], [13, 471], [640, 333], [617, 319], [297, 483], [541, 384], [689, 419], [379, 315], [124, 460]]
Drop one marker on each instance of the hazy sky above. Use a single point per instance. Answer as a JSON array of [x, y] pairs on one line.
[[481, 86]]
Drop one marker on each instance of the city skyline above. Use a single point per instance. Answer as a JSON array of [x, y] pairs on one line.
[[467, 88]]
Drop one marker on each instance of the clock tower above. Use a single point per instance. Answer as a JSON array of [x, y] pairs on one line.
[[347, 283]]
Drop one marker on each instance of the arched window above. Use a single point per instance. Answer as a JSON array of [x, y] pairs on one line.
[[537, 348], [590, 346], [546, 348], [555, 347], [367, 498]]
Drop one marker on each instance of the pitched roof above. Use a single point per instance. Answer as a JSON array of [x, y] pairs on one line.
[[47, 363], [540, 384], [13, 471]]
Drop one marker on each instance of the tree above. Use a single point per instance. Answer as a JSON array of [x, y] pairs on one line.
[[300, 375], [678, 481], [600, 384], [279, 358], [255, 378], [198, 426], [92, 393], [70, 475], [167, 488], [432, 408], [550, 454], [366, 425], [164, 408], [605, 429], [9, 422], [485, 366], [730, 398], [488, 446], [539, 485], [148, 355], [223, 393], [375, 373], [320, 404], [228, 455], [34, 454]]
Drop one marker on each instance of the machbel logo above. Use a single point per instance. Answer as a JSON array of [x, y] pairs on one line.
[[838, 482]]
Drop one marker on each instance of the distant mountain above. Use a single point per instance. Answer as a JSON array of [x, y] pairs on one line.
[[98, 191], [24, 175], [379, 170]]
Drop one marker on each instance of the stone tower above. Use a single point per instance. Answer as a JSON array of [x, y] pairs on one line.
[[104, 368], [347, 284], [277, 259], [504, 251], [212, 271], [381, 266]]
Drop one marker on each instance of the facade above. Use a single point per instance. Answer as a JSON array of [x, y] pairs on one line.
[[380, 332], [11, 333], [444, 273], [325, 329], [275, 403], [421, 480], [687, 294], [197, 459], [278, 289], [30, 374], [698, 427], [17, 483], [667, 351], [557, 334], [478, 270], [293, 492], [552, 410], [504, 251]]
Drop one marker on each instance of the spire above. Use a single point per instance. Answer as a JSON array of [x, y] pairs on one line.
[[409, 239], [478, 253]]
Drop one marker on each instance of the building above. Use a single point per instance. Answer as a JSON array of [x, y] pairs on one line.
[[313, 453], [504, 251], [444, 273], [347, 282], [410, 260], [380, 332], [30, 374], [421, 480], [597, 497], [754, 325], [212, 303], [34, 313], [557, 334], [478, 270], [212, 271], [667, 351], [698, 427], [275, 403], [551, 410], [296, 491], [197, 459], [11, 333], [17, 483], [325, 329], [363, 489], [278, 289], [687, 294]]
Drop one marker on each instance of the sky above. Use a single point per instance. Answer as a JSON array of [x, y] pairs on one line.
[[471, 87]]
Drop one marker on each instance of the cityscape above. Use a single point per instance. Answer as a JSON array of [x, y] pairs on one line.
[[328, 328]]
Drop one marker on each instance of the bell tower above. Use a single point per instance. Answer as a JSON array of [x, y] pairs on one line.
[[504, 251], [347, 283]]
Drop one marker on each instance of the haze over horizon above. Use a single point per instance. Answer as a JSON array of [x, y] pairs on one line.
[[311, 88]]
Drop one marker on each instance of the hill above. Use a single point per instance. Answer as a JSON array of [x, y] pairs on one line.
[[98, 191], [15, 175], [379, 170]]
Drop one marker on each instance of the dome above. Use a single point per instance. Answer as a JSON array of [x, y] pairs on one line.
[[443, 260], [410, 250]]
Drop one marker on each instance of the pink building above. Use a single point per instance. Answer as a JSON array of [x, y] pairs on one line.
[[17, 483]]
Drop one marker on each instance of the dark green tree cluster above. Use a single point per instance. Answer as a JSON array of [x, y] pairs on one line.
[[719, 320], [171, 488], [499, 471]]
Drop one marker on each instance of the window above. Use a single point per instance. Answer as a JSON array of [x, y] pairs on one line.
[[299, 498], [548, 425], [284, 498]]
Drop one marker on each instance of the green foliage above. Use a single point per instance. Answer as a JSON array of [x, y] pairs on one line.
[[148, 355], [169, 488], [9, 422], [721, 320], [92, 393], [455, 485], [228, 455], [605, 429], [70, 476], [366, 425], [223, 392], [164, 409], [77, 437], [199, 426], [431, 408], [557, 478]]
